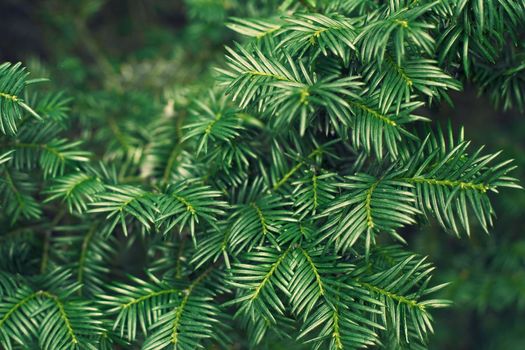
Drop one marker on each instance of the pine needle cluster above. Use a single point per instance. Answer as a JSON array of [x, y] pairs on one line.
[[270, 206]]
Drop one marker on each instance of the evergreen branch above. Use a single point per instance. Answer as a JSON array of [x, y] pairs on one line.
[[121, 201], [12, 84], [54, 156], [215, 123], [293, 94], [255, 222], [447, 181], [195, 311], [269, 275], [338, 329], [18, 196], [139, 303], [61, 322], [372, 129], [405, 25], [314, 269], [77, 190], [374, 205], [183, 303], [62, 313], [313, 192], [185, 203], [334, 34], [396, 83], [259, 296], [17, 306], [398, 289]]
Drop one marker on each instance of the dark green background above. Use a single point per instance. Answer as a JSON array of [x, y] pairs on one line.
[[136, 51]]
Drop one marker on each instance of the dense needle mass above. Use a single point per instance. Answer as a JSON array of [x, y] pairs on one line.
[[273, 203]]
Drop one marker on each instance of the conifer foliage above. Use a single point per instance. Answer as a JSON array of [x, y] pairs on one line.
[[272, 205]]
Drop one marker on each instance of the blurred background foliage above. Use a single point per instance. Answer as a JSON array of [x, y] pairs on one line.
[[124, 61]]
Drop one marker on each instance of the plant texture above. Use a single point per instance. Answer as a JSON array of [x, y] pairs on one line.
[[267, 207]]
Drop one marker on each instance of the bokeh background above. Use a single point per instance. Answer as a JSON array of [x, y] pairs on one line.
[[127, 60]]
